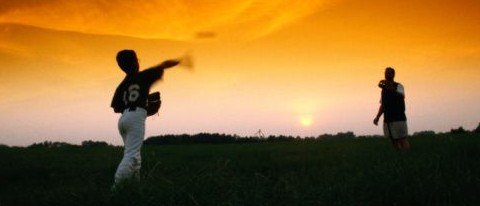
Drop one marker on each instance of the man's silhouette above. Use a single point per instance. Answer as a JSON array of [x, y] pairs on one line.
[[393, 108], [130, 99]]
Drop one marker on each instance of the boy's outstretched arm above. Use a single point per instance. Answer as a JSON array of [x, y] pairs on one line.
[[155, 73], [167, 64]]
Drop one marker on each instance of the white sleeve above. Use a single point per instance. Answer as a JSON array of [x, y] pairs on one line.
[[400, 89]]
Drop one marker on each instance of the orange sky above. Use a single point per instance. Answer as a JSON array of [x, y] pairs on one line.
[[267, 65]]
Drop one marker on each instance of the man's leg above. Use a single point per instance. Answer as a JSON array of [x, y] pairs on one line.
[[405, 145], [387, 132], [399, 132], [396, 144], [403, 132]]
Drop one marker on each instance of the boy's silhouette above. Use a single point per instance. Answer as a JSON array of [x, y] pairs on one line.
[[130, 99]]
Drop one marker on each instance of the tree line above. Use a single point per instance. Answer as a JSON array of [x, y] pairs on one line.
[[216, 138]]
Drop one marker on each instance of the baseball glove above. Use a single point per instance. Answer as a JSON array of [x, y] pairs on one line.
[[153, 103]]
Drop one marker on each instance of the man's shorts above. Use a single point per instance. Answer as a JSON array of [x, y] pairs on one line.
[[395, 130]]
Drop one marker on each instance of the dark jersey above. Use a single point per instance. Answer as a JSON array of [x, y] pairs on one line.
[[393, 104], [134, 89]]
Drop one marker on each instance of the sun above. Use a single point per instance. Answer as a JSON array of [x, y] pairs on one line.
[[306, 120]]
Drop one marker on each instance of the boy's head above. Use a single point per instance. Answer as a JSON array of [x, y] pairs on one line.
[[127, 61]]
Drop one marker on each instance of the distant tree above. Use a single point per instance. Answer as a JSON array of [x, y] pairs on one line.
[[271, 138], [226, 138], [460, 130], [370, 136], [214, 138], [309, 139], [324, 136], [90, 143], [477, 130], [345, 135], [424, 133], [49, 144], [340, 135]]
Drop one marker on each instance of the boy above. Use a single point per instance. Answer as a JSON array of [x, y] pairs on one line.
[[130, 99]]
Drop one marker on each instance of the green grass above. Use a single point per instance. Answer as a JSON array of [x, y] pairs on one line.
[[440, 170]]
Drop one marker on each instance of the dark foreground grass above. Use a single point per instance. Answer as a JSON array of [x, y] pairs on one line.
[[440, 170]]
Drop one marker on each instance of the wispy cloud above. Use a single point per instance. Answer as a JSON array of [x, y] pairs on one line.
[[179, 20]]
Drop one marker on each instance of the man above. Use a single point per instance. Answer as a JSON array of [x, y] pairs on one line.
[[393, 108], [130, 99]]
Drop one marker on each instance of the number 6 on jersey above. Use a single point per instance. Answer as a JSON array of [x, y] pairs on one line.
[[132, 94]]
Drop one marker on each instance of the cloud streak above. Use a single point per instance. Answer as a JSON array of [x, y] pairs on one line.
[[179, 20]]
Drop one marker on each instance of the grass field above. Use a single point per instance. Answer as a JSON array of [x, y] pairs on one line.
[[439, 170]]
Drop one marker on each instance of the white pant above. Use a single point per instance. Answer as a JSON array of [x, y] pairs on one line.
[[132, 128]]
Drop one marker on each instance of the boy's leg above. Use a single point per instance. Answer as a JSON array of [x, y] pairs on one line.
[[131, 162], [124, 162]]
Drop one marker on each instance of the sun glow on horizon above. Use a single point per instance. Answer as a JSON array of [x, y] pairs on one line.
[[306, 120]]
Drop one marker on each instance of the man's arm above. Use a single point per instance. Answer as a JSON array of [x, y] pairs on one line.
[[400, 90], [379, 114], [387, 85]]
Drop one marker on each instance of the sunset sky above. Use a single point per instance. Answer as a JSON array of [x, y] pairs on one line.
[[286, 67]]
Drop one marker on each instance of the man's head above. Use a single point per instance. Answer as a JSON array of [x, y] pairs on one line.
[[127, 61], [389, 73]]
